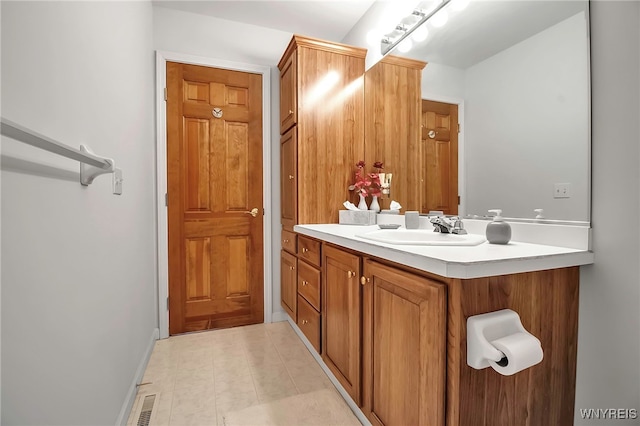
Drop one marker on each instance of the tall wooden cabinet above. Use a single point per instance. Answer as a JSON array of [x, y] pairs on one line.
[[322, 123], [392, 126]]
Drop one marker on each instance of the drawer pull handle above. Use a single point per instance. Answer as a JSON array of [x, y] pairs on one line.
[[305, 250], [305, 322], [305, 282], [364, 280]]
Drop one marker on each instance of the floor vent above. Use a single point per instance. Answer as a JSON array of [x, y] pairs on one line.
[[145, 412]]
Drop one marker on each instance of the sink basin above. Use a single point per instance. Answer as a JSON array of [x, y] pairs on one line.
[[422, 237]]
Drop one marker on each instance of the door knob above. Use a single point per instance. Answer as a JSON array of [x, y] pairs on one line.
[[253, 212]]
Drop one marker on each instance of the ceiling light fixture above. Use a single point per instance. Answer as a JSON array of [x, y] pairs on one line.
[[402, 31]]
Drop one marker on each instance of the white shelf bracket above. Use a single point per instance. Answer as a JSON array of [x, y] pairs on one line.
[[88, 172]]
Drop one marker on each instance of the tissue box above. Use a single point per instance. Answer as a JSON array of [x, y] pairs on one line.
[[362, 217]]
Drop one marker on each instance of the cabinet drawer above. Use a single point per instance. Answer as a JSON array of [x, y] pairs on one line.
[[289, 240], [309, 250], [309, 284], [309, 322]]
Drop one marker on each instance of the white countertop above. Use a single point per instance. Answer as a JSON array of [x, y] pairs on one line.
[[453, 262]]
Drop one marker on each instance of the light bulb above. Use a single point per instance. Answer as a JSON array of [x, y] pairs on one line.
[[405, 45], [440, 18], [420, 34]]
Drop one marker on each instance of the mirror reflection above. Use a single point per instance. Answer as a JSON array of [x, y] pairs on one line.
[[516, 73]]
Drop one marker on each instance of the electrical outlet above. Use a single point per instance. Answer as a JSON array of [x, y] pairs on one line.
[[562, 190]]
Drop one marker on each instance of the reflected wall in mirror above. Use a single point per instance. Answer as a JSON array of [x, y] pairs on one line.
[[519, 73]]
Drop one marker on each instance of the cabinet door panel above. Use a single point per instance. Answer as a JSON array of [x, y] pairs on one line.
[[288, 283], [289, 178], [288, 95], [404, 338], [341, 327]]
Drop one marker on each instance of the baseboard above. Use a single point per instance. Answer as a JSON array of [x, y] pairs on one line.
[[279, 316], [347, 398], [133, 389]]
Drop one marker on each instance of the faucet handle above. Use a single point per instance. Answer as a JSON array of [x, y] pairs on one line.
[[458, 226]]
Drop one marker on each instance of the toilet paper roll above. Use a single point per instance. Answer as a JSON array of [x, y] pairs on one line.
[[522, 350]]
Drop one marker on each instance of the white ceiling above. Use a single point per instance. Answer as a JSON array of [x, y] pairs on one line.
[[480, 31], [325, 19]]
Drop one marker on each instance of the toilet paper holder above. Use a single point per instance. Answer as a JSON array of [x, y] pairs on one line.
[[485, 328]]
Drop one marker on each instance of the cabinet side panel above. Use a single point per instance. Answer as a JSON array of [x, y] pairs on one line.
[[547, 302]]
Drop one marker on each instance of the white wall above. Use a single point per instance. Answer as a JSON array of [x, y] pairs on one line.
[[440, 81], [205, 36], [526, 113], [608, 374], [78, 264]]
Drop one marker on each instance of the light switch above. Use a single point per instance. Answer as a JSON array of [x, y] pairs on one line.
[[117, 181]]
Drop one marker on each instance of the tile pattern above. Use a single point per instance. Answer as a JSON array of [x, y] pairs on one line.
[[201, 376]]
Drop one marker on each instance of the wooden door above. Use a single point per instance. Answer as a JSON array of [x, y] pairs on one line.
[[214, 173], [439, 153], [341, 326], [288, 283], [404, 338], [288, 178]]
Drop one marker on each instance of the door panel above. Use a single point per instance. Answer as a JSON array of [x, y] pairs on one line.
[[439, 152], [214, 172]]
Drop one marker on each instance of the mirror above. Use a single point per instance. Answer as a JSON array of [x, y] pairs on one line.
[[518, 72]]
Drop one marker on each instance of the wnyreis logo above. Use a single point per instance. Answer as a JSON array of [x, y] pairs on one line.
[[609, 413]]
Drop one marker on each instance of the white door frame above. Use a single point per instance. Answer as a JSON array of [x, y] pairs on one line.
[[161, 175]]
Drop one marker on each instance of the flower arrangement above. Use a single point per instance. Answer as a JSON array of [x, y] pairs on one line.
[[367, 183]]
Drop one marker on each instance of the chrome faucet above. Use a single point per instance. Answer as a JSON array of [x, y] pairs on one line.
[[448, 226]]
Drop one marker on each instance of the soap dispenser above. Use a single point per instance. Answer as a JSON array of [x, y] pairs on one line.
[[498, 231]]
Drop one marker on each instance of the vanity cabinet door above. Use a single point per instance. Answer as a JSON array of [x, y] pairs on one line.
[[404, 344], [288, 283], [341, 323]]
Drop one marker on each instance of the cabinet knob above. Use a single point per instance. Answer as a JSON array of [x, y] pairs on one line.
[[305, 282], [290, 177], [364, 280], [351, 274], [293, 268], [290, 111], [305, 322], [305, 250], [285, 241]]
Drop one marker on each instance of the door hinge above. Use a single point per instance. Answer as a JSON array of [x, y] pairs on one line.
[[165, 93], [166, 199], [263, 212], [167, 303], [458, 125], [458, 200]]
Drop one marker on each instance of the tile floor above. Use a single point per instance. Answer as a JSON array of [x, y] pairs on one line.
[[199, 377]]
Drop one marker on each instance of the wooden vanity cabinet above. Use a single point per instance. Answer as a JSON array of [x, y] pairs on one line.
[[341, 317], [395, 338], [403, 346]]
